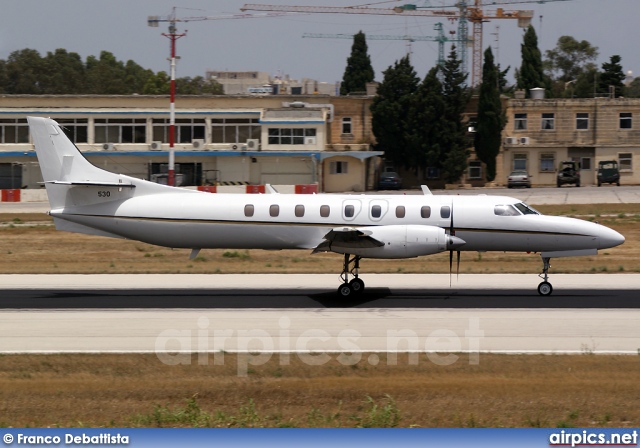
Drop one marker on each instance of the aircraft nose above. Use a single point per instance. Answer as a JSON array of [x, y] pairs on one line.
[[609, 238]]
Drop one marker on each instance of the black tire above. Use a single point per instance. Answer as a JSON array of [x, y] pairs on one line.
[[545, 289], [357, 286], [345, 290]]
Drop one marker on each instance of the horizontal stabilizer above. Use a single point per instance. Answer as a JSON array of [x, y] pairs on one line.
[[91, 184]]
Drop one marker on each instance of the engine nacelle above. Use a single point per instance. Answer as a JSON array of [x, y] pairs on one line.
[[400, 242]]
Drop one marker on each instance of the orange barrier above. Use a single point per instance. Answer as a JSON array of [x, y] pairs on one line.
[[208, 188], [255, 189], [307, 189], [11, 195]]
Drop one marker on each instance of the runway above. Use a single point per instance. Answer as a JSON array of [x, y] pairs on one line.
[[416, 313]]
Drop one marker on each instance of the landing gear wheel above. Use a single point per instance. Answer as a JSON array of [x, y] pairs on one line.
[[357, 286], [545, 289], [345, 290]]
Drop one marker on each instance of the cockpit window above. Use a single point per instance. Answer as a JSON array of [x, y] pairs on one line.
[[526, 210], [506, 210]]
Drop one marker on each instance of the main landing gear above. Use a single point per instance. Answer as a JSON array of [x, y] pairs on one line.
[[356, 285], [545, 288]]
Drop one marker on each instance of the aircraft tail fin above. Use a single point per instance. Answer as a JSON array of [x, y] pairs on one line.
[[70, 179]]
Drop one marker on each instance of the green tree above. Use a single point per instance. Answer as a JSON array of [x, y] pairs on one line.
[[612, 75], [62, 73], [531, 73], [23, 70], [491, 119], [632, 90], [390, 109], [424, 127], [569, 59], [198, 86], [454, 140], [359, 70], [106, 75]]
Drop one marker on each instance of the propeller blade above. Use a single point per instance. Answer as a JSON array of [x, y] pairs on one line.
[[452, 232], [450, 266], [458, 265]]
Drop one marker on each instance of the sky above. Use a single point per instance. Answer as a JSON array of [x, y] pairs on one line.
[[275, 44]]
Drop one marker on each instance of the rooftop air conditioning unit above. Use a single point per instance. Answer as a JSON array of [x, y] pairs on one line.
[[155, 146], [253, 144], [108, 147], [310, 140], [524, 140], [197, 144], [511, 141]]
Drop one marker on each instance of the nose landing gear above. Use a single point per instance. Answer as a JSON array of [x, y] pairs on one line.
[[545, 288]]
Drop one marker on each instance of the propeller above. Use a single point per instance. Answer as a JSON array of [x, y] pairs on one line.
[[454, 242]]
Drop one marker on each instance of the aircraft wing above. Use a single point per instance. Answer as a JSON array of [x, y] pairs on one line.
[[348, 237]]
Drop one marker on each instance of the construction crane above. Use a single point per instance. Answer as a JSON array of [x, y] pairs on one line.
[[464, 13], [440, 38]]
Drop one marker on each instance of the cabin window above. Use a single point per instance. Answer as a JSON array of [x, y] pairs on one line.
[[400, 211], [299, 211], [274, 210], [324, 211], [248, 210], [445, 211], [349, 211], [376, 211], [505, 210], [425, 211]]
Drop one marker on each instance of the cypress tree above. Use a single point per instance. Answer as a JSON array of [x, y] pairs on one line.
[[491, 119], [612, 75], [531, 73], [390, 110], [359, 70], [454, 140]]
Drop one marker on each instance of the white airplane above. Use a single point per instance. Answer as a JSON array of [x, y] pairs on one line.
[[87, 199]]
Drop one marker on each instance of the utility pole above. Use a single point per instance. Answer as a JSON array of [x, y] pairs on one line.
[[173, 37]]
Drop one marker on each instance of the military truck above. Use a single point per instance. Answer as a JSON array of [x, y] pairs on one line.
[[608, 172], [568, 173]]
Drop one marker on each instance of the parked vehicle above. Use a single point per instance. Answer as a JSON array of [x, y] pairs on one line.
[[519, 179], [569, 173], [389, 181], [608, 172]]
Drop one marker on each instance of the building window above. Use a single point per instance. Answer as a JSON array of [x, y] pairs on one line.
[[425, 211], [625, 161], [234, 130], [289, 136], [582, 121], [585, 163], [324, 211], [248, 210], [472, 124], [120, 130], [626, 120], [400, 211], [475, 170], [346, 125], [274, 210], [14, 130], [77, 129], [547, 162], [548, 122], [299, 211], [520, 162], [338, 167], [520, 122]]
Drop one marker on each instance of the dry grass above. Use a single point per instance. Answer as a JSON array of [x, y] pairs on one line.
[[501, 390], [30, 244]]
